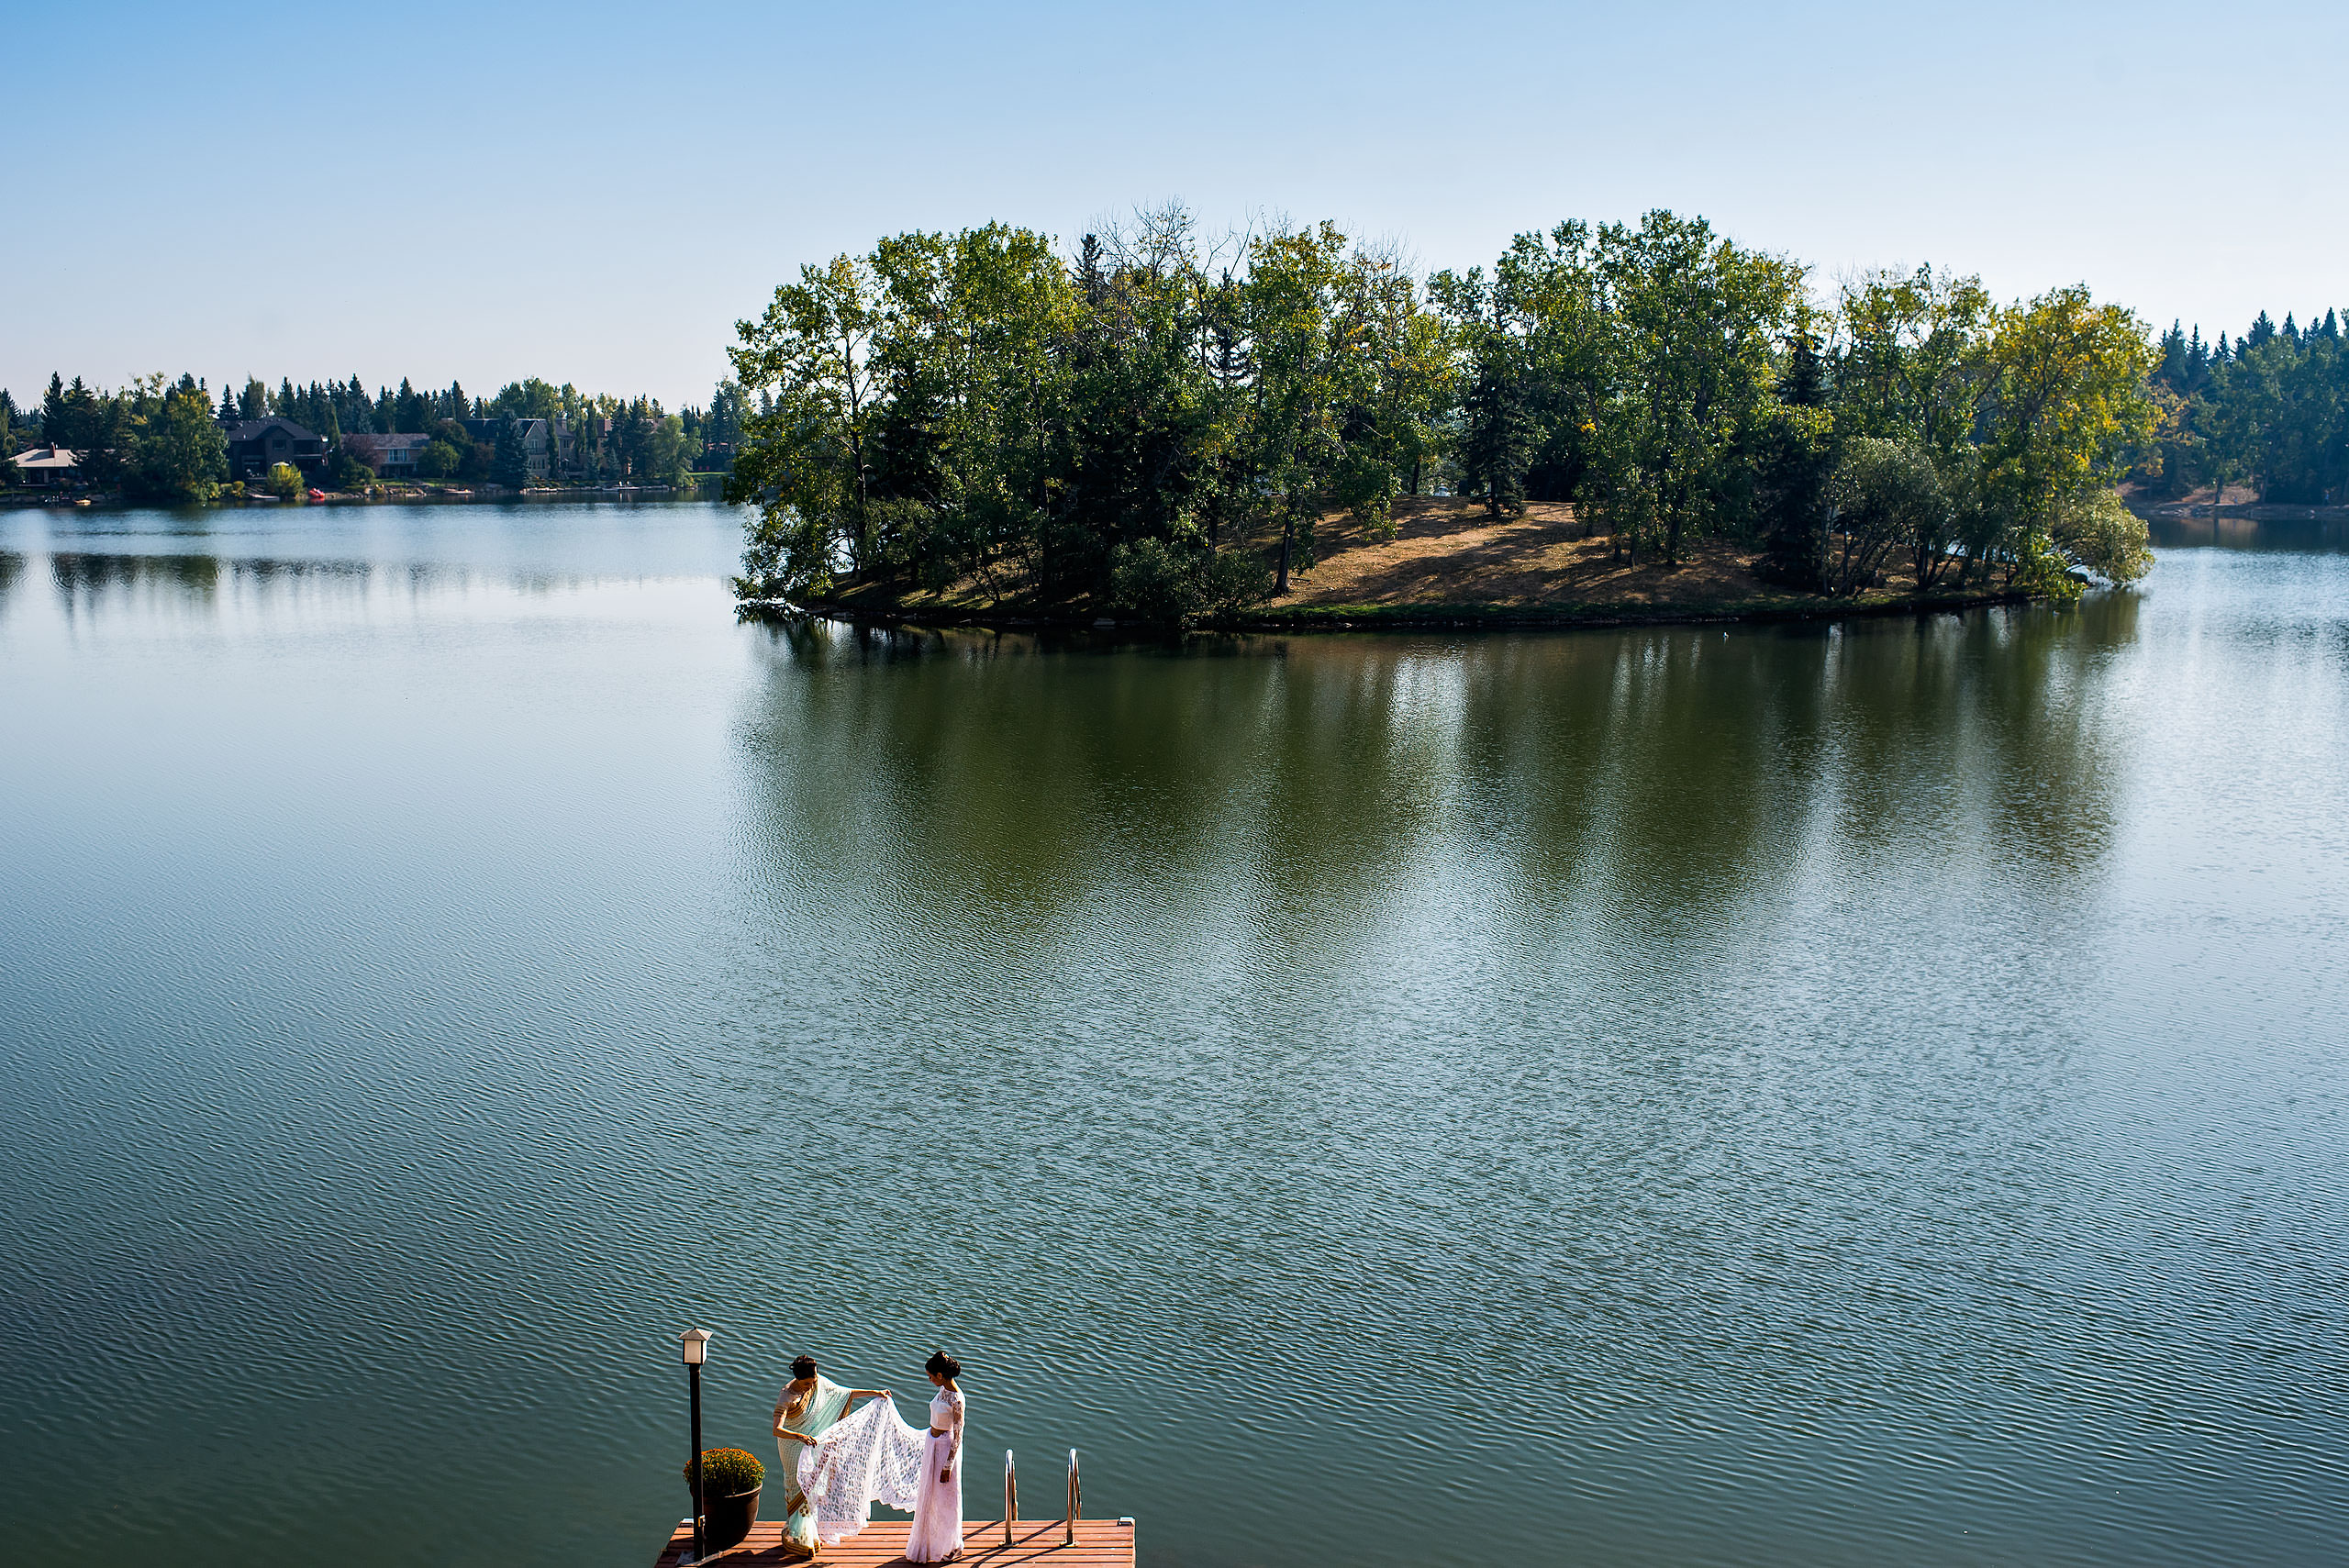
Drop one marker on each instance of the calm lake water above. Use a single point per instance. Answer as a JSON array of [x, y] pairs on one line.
[[1808, 1096]]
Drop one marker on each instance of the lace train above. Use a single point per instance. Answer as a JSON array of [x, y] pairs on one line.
[[872, 1457]]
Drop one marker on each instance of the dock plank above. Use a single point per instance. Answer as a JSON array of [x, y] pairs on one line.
[[1100, 1543]]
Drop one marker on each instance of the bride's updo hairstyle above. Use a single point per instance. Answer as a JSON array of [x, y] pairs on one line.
[[941, 1365], [802, 1366]]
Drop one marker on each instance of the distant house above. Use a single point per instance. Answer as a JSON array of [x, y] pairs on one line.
[[537, 441], [45, 468], [256, 446], [392, 457]]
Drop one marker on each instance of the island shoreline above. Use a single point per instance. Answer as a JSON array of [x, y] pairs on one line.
[[1409, 617]]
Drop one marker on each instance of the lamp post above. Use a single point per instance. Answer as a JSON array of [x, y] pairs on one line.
[[697, 1347]]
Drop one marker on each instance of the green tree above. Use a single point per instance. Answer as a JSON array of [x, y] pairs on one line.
[[2066, 400], [1910, 360], [806, 464], [1885, 496], [1793, 451], [2099, 533], [345, 473], [176, 450], [509, 463], [1302, 347], [664, 457], [1497, 433], [438, 459], [1694, 319]]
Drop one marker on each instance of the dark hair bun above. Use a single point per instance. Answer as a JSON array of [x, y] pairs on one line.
[[802, 1366], [941, 1365]]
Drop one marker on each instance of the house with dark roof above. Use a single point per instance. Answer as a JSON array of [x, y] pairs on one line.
[[256, 446]]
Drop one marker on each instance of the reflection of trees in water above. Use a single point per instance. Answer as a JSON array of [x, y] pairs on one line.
[[90, 582], [2324, 534], [1661, 774], [11, 566], [84, 582]]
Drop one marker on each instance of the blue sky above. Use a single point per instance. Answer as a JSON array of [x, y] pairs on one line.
[[595, 192]]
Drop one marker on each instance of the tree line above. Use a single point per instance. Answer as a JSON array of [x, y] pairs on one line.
[[161, 440], [1162, 419], [2271, 411]]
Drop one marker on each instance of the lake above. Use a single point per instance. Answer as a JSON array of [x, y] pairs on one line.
[[1819, 1094]]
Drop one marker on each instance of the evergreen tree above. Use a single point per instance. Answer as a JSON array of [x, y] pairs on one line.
[[1091, 285], [73, 418], [511, 463], [1496, 430], [1798, 458], [2262, 331], [228, 406]]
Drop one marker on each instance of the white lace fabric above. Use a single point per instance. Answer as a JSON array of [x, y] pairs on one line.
[[870, 1457]]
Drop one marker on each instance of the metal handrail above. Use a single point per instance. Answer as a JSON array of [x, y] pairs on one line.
[[1011, 1495], [1069, 1538]]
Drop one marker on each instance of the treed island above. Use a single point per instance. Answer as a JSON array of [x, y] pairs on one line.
[[1286, 427], [1612, 422]]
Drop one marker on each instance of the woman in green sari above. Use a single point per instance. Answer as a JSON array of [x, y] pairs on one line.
[[804, 1411]]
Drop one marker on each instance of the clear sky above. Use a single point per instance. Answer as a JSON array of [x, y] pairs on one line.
[[595, 192]]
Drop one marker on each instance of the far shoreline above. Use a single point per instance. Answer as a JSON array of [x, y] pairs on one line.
[[34, 500]]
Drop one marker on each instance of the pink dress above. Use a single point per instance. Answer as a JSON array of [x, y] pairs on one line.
[[936, 1535]]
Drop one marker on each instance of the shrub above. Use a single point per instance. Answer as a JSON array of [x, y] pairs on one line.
[[727, 1472], [284, 481], [1175, 586], [2100, 534], [438, 459], [347, 473]]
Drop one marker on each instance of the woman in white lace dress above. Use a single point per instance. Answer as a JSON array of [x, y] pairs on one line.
[[936, 1535]]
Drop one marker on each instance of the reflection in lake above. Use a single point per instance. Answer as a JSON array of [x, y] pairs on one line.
[[1674, 773], [1824, 1095], [2235, 532]]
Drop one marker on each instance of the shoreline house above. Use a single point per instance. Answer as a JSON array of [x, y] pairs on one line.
[[539, 440], [46, 468], [391, 456], [256, 446]]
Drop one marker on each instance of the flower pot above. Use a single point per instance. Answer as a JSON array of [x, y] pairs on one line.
[[727, 1520]]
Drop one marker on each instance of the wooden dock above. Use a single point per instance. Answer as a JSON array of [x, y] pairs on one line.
[[1100, 1543]]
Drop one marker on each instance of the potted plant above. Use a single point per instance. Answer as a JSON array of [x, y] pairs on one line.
[[730, 1480]]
